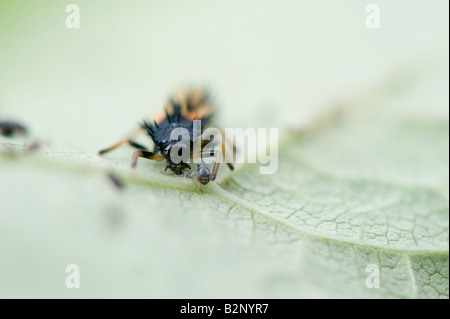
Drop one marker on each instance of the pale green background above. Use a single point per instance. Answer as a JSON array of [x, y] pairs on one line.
[[293, 57], [269, 63]]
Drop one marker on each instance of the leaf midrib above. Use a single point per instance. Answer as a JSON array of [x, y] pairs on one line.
[[185, 184]]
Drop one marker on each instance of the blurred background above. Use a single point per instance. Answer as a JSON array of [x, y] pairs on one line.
[[268, 64]]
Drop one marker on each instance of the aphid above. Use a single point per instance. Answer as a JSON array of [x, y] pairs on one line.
[[10, 128], [180, 112], [13, 128], [115, 180]]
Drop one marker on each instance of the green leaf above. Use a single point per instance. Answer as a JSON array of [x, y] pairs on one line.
[[363, 186], [361, 190], [356, 195]]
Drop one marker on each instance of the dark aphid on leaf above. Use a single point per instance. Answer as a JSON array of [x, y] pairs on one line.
[[115, 180], [180, 112], [13, 128], [10, 128]]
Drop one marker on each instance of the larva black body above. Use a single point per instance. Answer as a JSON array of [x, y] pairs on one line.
[[160, 134], [180, 112]]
